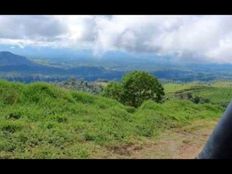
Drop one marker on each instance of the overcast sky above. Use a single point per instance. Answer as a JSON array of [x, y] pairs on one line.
[[190, 37]]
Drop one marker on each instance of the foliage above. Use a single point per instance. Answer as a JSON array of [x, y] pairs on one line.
[[114, 90], [140, 86], [81, 85], [218, 92], [136, 87], [45, 121]]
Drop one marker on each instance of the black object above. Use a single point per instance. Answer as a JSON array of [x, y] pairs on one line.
[[219, 144]]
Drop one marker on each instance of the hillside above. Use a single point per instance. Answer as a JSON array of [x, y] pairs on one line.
[[10, 59], [19, 68], [40, 120], [217, 92]]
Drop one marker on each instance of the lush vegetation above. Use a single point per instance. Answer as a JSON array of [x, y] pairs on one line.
[[218, 92], [41, 120], [135, 88], [81, 85]]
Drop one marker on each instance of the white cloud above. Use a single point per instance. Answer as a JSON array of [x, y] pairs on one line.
[[188, 37], [30, 27]]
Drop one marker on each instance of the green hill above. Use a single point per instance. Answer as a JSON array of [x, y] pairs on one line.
[[40, 120], [218, 92]]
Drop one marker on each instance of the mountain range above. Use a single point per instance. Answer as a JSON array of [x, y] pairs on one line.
[[21, 68], [10, 59], [18, 66]]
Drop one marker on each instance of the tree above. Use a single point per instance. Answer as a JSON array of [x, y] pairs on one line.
[[139, 86], [136, 87]]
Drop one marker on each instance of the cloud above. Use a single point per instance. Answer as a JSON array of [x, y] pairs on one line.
[[187, 37], [30, 27]]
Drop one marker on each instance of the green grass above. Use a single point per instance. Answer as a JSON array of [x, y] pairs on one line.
[[40, 120], [216, 95], [218, 92], [173, 87]]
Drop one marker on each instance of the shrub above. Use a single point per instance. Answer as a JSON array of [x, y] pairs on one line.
[[140, 86], [114, 90], [14, 116], [135, 88]]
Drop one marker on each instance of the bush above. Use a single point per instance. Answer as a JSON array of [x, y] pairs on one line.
[[135, 88], [114, 90], [14, 116], [140, 86], [196, 99]]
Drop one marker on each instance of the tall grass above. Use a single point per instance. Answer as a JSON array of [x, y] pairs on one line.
[[40, 120]]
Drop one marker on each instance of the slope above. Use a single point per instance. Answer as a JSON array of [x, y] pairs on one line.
[[40, 120]]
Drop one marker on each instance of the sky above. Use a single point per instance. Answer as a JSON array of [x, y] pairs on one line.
[[186, 37]]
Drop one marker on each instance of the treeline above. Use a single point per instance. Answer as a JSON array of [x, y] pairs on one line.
[[81, 85], [33, 78], [29, 74]]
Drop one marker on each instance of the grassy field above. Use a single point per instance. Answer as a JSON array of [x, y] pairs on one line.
[[40, 120], [218, 92]]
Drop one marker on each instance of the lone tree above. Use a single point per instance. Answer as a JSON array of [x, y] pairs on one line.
[[136, 87]]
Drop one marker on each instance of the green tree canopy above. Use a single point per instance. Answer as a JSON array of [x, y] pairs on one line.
[[136, 87]]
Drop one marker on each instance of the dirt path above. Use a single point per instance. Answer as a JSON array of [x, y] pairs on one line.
[[184, 143], [181, 143]]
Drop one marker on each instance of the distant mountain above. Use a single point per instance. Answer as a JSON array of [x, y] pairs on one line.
[[15, 67], [18, 68], [10, 59]]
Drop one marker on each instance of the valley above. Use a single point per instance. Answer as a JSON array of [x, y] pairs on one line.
[[54, 70]]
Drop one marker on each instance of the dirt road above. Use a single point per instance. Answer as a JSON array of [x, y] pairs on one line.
[[181, 143]]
